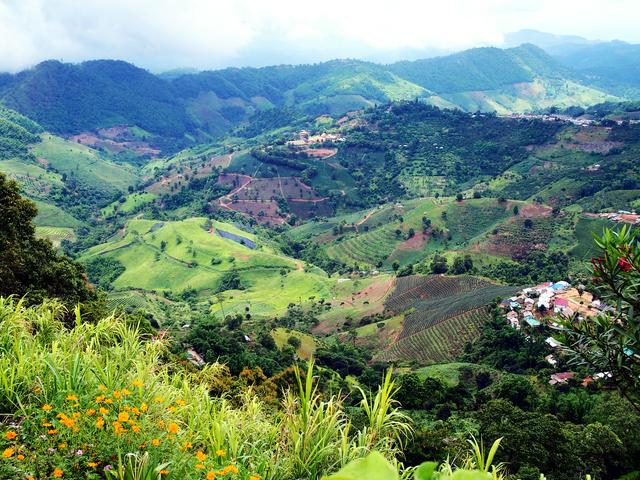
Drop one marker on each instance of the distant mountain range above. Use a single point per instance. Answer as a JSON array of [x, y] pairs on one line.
[[71, 98]]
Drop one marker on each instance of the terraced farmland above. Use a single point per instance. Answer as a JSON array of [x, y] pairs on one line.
[[369, 248], [441, 315], [439, 343], [417, 288]]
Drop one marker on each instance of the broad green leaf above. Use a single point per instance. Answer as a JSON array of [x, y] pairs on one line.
[[372, 467]]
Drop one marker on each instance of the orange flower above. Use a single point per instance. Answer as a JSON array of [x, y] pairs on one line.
[[123, 417], [8, 452], [58, 473], [118, 428], [108, 400], [199, 466], [46, 407], [47, 425], [62, 446], [52, 431], [201, 456], [155, 442], [116, 394], [254, 477], [103, 411], [188, 445], [20, 457], [164, 472], [173, 428], [211, 476], [91, 412], [100, 422], [144, 407], [100, 398], [10, 435], [135, 428], [93, 464], [72, 398]]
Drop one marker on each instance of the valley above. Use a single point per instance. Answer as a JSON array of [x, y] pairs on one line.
[[225, 227]]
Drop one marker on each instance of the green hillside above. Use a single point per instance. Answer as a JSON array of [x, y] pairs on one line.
[[177, 257]]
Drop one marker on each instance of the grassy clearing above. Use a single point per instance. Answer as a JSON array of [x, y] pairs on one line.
[[84, 164], [52, 216], [307, 342], [132, 202]]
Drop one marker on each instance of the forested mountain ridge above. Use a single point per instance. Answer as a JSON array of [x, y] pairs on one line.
[[67, 98]]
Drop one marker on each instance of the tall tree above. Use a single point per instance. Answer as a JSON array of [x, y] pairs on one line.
[[29, 265]]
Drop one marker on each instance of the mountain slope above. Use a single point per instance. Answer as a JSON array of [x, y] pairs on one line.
[[66, 98]]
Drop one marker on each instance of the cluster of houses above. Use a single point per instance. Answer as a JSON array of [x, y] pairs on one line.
[[624, 216], [541, 305], [305, 138]]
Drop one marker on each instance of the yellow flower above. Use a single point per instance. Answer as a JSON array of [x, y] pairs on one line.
[[231, 468], [158, 399], [188, 445], [8, 452], [155, 442], [100, 422], [199, 466], [72, 398], [123, 417], [144, 407], [10, 435], [254, 477], [181, 403], [100, 398], [93, 464], [91, 412], [103, 411], [211, 476], [118, 428], [102, 387], [173, 428], [136, 383], [47, 425], [125, 392], [46, 407], [171, 408], [52, 431], [135, 428], [201, 456], [58, 473], [76, 415], [116, 394], [220, 453], [108, 400]]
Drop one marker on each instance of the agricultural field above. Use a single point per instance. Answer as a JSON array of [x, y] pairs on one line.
[[83, 164], [35, 181], [56, 234], [441, 314], [173, 257]]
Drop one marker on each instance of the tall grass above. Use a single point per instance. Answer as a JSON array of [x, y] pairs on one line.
[[44, 364]]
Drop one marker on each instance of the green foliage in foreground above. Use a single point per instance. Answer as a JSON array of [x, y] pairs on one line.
[[29, 265], [101, 395]]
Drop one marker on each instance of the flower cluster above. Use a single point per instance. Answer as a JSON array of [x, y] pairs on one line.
[[91, 433]]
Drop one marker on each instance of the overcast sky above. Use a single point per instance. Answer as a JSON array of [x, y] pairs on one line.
[[206, 34]]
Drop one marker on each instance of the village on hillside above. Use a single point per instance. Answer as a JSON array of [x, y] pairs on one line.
[[541, 305]]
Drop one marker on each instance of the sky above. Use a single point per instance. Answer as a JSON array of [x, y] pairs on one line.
[[207, 34]]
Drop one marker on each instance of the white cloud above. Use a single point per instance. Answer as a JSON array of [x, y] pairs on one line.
[[161, 34]]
